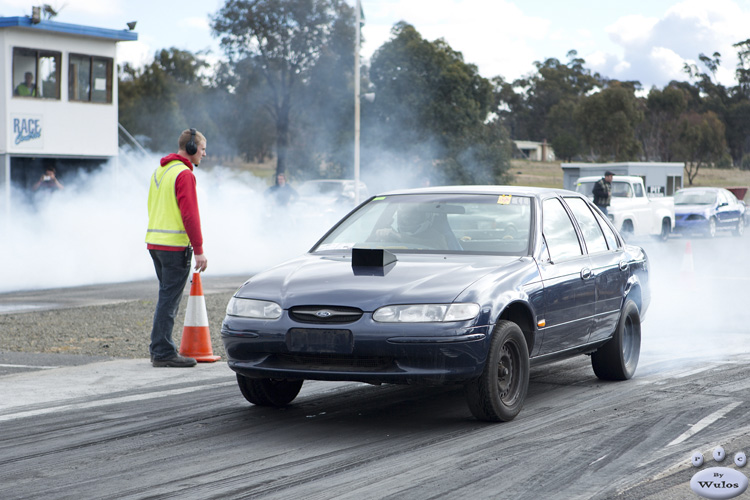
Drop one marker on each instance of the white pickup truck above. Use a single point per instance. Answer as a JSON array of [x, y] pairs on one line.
[[631, 210]]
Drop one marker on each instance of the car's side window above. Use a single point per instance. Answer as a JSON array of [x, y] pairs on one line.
[[609, 233], [559, 231], [638, 190], [592, 233]]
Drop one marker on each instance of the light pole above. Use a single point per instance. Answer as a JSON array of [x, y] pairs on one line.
[[356, 104]]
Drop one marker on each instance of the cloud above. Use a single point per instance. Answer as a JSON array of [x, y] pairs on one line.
[[200, 23], [89, 7], [502, 26], [631, 29], [655, 50]]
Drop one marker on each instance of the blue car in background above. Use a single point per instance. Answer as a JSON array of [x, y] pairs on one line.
[[706, 210], [444, 285]]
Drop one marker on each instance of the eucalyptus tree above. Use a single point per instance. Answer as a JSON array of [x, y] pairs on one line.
[[431, 112], [608, 120], [283, 40], [164, 97], [702, 141]]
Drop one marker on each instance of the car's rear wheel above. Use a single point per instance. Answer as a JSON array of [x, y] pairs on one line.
[[627, 229], [497, 395], [666, 230], [618, 358], [269, 391]]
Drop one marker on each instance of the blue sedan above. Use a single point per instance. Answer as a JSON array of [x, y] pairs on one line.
[[706, 210], [444, 285]]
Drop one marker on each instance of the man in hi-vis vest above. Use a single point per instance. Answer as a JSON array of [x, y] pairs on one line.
[[174, 234]]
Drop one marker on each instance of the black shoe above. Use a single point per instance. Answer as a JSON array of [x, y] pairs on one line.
[[176, 361]]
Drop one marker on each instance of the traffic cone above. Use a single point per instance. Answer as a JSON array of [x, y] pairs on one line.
[[687, 271], [196, 338]]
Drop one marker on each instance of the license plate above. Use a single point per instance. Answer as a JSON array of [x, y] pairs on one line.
[[320, 340]]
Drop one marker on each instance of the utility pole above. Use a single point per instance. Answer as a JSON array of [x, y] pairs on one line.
[[356, 103]]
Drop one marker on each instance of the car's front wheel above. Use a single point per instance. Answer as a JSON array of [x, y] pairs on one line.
[[740, 229], [269, 391], [711, 229], [497, 395], [618, 358]]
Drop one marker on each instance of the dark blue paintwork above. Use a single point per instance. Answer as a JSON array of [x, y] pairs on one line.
[[564, 308]]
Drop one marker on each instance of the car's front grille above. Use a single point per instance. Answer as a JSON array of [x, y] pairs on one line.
[[333, 362], [325, 314]]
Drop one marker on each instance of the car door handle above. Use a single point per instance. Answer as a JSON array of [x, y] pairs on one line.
[[623, 265], [585, 273]]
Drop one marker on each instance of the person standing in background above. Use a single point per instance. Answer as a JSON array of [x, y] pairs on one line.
[[281, 193], [173, 236], [603, 191]]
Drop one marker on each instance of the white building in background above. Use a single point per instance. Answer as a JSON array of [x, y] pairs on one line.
[[535, 151], [660, 178], [69, 119]]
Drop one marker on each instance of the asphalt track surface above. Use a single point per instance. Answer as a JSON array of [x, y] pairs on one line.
[[118, 428]]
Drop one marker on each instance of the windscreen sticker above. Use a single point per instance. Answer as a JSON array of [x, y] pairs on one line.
[[378, 198], [504, 199]]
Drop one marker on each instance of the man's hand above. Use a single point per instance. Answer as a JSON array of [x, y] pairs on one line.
[[201, 263]]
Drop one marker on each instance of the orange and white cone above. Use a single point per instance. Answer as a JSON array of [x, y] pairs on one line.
[[687, 270], [196, 337]]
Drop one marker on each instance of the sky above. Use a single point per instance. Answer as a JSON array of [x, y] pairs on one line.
[[644, 40]]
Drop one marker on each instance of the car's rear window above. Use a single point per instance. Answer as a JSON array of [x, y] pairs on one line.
[[495, 224]]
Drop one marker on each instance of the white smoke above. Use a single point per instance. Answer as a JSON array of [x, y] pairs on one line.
[[93, 231], [698, 310]]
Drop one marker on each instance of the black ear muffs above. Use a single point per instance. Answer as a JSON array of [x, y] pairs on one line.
[[191, 148]]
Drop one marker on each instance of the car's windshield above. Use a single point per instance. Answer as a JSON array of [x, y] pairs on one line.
[[437, 223], [697, 197]]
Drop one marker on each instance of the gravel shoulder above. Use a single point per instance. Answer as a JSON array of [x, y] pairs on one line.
[[116, 330]]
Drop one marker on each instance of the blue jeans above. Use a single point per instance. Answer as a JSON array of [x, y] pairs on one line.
[[603, 208], [172, 269]]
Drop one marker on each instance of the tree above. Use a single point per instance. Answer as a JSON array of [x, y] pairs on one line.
[[658, 132], [563, 130], [164, 97], [324, 131], [701, 141], [431, 110], [608, 120], [283, 38], [525, 104]]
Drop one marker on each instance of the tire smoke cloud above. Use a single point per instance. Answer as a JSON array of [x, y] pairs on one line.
[[93, 231]]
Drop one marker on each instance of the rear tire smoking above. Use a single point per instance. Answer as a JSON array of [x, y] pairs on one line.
[[618, 358]]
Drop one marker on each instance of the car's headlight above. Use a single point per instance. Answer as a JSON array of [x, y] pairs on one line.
[[251, 308], [426, 313]]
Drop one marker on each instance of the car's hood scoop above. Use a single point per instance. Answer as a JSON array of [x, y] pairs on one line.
[[371, 257]]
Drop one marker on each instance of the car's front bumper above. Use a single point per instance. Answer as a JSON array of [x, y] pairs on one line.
[[430, 353], [690, 223]]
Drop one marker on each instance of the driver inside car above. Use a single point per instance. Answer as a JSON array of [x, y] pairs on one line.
[[414, 225]]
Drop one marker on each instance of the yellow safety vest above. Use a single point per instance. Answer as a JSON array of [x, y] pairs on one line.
[[165, 226]]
